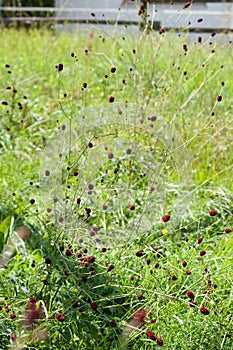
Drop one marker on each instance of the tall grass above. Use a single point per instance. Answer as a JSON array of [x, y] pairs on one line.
[[136, 127]]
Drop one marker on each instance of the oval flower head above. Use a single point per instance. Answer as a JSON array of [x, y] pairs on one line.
[[138, 318], [32, 313]]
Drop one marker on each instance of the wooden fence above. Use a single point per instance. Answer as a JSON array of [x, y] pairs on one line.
[[126, 16]]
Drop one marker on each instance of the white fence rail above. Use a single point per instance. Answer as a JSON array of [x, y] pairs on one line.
[[200, 17]]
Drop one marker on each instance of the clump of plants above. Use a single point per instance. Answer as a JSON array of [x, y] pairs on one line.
[[116, 212]]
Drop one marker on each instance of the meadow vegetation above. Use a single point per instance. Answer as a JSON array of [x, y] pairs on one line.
[[116, 191]]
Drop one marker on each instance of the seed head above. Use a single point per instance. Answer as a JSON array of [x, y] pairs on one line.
[[59, 67], [166, 218], [150, 335], [113, 70], [228, 230], [13, 336], [111, 99], [59, 317], [94, 306], [204, 310], [202, 252], [190, 295], [160, 341], [213, 212], [110, 267], [139, 253], [48, 261], [187, 4]]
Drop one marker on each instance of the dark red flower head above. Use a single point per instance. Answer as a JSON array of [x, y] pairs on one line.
[[139, 316], [150, 335], [228, 230], [165, 217], [160, 341], [94, 306], [204, 310], [13, 336], [32, 313], [59, 67], [187, 4], [139, 253], [213, 212], [59, 317], [202, 252], [190, 295]]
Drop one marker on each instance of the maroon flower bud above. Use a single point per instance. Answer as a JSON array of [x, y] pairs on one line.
[[46, 282], [91, 259], [12, 315], [13, 336], [188, 272], [140, 296], [202, 252], [59, 67], [190, 295], [110, 267], [59, 317], [132, 207], [213, 212], [184, 263], [204, 310], [33, 300], [74, 303], [160, 341], [150, 335], [228, 230], [94, 306], [112, 324], [69, 252], [110, 155], [111, 99], [113, 70], [187, 4], [48, 261], [200, 239], [165, 218], [139, 253]]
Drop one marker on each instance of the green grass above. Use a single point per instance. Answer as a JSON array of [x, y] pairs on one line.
[[185, 155]]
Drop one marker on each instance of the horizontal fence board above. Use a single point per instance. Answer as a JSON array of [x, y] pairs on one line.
[[214, 18]]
